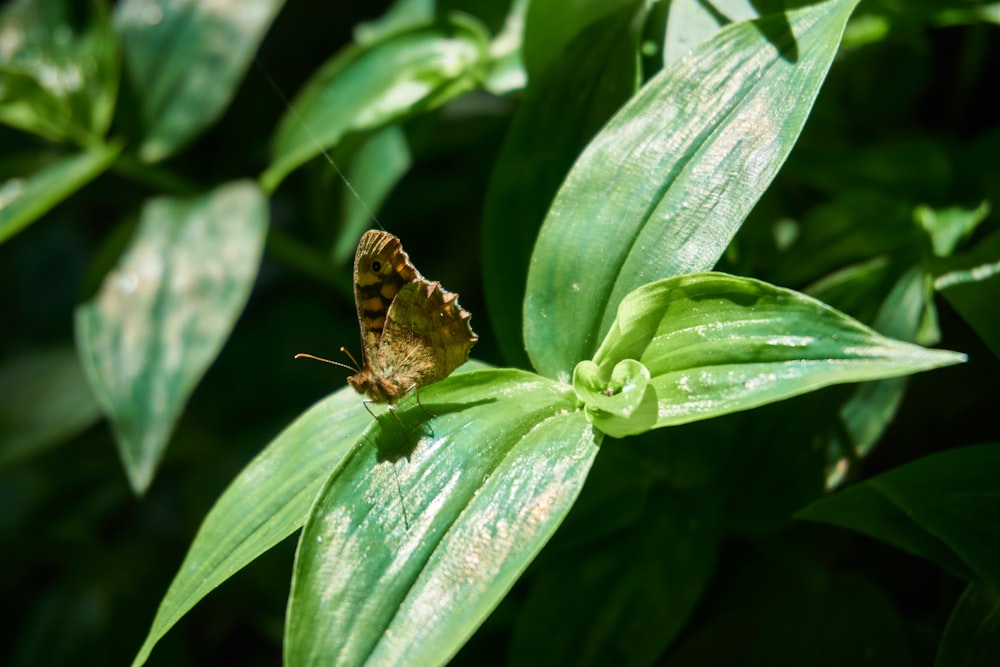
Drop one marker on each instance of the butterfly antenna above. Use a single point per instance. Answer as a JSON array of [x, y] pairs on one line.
[[351, 357], [303, 355], [308, 131]]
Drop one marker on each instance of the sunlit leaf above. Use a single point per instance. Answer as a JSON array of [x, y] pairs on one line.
[[370, 85], [715, 344], [689, 22], [266, 503], [165, 311], [562, 108], [185, 60], [58, 76], [426, 525], [663, 188], [25, 199]]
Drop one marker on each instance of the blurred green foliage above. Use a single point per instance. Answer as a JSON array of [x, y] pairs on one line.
[[147, 278]]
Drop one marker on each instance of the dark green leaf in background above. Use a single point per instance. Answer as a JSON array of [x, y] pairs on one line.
[[944, 507], [25, 199], [46, 401], [870, 410], [374, 170], [164, 312], [418, 536], [367, 86], [972, 637], [185, 61], [562, 108], [663, 188], [585, 608], [971, 282]]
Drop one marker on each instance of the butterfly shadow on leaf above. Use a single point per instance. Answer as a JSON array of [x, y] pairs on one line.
[[402, 429]]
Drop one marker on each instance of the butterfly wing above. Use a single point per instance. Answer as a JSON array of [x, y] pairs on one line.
[[381, 269], [427, 335]]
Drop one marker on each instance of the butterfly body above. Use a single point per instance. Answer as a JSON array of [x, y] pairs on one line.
[[413, 332]]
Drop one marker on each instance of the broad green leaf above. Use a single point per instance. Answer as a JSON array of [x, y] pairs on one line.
[[165, 311], [365, 87], [374, 170], [25, 199], [562, 108], [185, 60], [59, 69], [972, 636], [663, 188], [690, 23], [425, 526], [46, 401], [266, 503], [716, 344], [970, 283], [942, 507]]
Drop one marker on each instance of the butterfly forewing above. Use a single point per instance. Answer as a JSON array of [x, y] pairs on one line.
[[412, 331], [381, 269]]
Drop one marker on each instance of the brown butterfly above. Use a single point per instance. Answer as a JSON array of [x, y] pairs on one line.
[[413, 332]]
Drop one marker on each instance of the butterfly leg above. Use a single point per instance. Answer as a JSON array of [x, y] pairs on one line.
[[416, 392]]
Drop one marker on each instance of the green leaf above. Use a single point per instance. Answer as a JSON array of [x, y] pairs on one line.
[[868, 412], [58, 80], [690, 23], [949, 227], [185, 60], [850, 227], [562, 108], [716, 344], [973, 633], [507, 72], [374, 170], [620, 405], [165, 311], [401, 16], [664, 187], [367, 86], [970, 283], [424, 528], [46, 402], [25, 199], [943, 507], [550, 26], [266, 503]]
